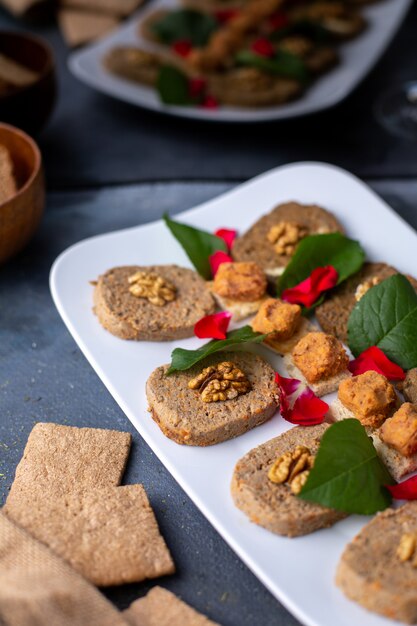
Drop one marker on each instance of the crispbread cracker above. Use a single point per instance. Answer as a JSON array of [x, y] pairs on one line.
[[111, 7], [160, 607], [67, 458], [7, 180], [79, 27], [37, 587], [109, 535], [321, 388]]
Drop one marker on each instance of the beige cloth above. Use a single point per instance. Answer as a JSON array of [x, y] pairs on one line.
[[38, 589]]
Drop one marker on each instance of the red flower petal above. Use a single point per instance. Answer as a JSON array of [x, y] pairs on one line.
[[217, 259], [210, 103], [374, 359], [310, 289], [308, 409], [196, 87], [225, 15], [227, 235], [407, 490], [182, 47], [278, 20], [213, 326], [263, 47]]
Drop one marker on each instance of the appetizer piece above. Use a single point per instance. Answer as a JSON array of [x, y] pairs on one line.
[[284, 323], [273, 239], [378, 569], [369, 397], [239, 288], [334, 18], [133, 63], [317, 58], [266, 481], [409, 386], [220, 398], [396, 441], [152, 303], [334, 313], [320, 360]]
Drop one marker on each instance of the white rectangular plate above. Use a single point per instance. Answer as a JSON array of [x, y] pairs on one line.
[[299, 572], [357, 58]]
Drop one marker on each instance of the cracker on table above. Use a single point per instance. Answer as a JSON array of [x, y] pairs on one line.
[[109, 534], [67, 458], [79, 27], [160, 607], [121, 8]]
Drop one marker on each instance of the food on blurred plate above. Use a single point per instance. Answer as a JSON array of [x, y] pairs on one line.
[[151, 303], [252, 53]]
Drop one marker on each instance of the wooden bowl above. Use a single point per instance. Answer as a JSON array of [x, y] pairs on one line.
[[21, 214], [29, 107]]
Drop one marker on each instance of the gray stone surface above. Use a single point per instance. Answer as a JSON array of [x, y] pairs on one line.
[[44, 377], [93, 139]]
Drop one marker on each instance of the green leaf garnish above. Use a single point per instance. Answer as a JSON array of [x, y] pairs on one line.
[[347, 474], [304, 27], [314, 251], [283, 63], [184, 359], [193, 26], [199, 245], [386, 316], [172, 86]]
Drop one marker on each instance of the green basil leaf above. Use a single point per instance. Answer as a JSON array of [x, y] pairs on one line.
[[194, 26], [386, 316], [199, 245], [348, 475], [314, 251], [184, 359], [172, 86], [283, 63]]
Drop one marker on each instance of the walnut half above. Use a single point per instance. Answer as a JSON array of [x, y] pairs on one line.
[[220, 382], [407, 548], [292, 468], [154, 288], [285, 236]]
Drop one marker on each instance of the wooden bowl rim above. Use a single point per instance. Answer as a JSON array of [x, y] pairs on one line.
[[38, 160], [42, 43]]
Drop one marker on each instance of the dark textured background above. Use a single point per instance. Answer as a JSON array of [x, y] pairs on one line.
[[99, 154]]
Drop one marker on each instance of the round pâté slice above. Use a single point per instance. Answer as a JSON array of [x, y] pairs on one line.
[[274, 505], [333, 315], [378, 569], [187, 410], [273, 239], [151, 303]]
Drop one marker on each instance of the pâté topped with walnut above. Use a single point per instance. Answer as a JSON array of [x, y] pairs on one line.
[[258, 53], [154, 303]]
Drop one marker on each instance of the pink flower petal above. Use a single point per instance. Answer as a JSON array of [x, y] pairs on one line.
[[287, 385], [217, 259], [407, 490], [182, 47], [374, 359], [308, 409], [309, 290], [227, 235], [263, 47], [213, 326]]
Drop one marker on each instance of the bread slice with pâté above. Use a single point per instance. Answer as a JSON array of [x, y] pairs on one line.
[[274, 506], [189, 416]]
